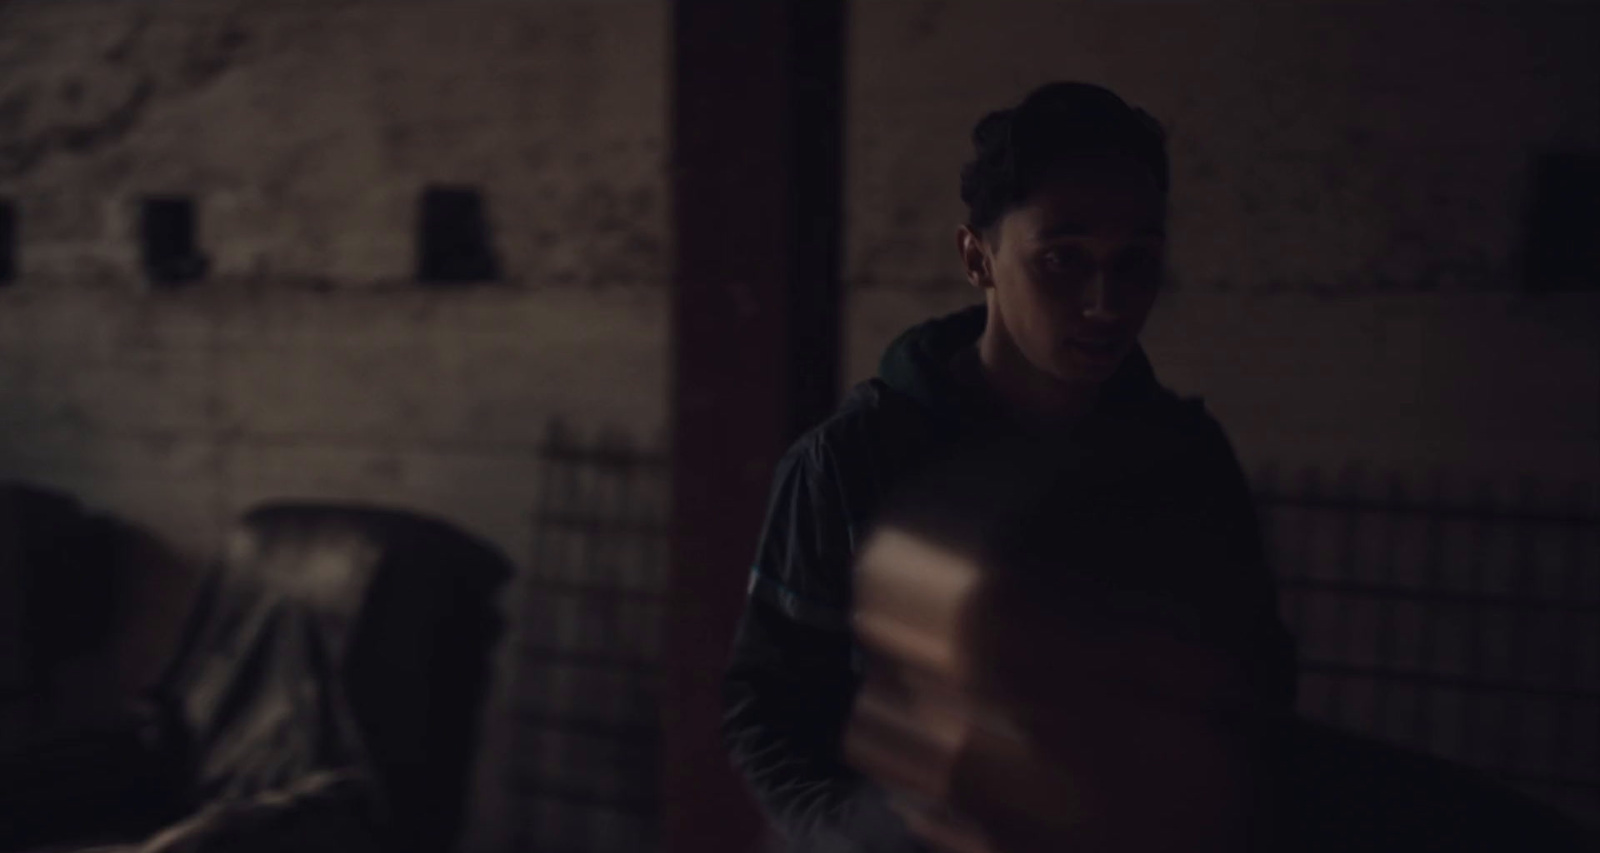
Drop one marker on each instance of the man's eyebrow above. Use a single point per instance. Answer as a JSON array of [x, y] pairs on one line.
[[1065, 229], [1073, 229]]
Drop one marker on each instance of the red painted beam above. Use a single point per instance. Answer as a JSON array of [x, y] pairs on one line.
[[755, 315]]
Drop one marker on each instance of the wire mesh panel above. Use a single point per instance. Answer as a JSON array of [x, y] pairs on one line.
[[1459, 618], [585, 703]]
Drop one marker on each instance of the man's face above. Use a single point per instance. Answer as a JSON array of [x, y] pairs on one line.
[[1073, 271]]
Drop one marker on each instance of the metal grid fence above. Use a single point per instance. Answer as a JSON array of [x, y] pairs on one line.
[[585, 705], [1461, 618]]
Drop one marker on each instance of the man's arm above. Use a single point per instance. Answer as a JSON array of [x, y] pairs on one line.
[[790, 683], [788, 691]]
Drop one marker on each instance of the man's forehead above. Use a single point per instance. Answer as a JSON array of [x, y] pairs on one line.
[[1102, 196]]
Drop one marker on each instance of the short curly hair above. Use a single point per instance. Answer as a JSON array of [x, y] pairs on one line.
[[1016, 147]]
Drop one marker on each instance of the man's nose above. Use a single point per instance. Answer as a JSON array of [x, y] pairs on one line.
[[1097, 299]]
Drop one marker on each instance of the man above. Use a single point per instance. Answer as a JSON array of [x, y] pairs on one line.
[[1065, 239]]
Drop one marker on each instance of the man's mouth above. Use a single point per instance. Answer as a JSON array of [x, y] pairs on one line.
[[1098, 349]]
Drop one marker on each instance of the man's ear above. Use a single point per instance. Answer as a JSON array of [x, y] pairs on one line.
[[974, 257]]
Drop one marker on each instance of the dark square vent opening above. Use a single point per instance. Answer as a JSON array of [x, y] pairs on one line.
[[167, 240], [8, 242], [454, 242], [1563, 229]]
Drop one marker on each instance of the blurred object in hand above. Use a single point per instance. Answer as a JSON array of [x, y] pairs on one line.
[[1020, 697]]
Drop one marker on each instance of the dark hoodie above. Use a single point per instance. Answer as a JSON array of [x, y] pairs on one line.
[[794, 671]]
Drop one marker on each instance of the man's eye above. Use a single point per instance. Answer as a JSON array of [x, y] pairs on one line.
[[1138, 265], [1057, 261]]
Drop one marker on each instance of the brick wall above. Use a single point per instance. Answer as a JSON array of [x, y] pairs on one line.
[[307, 362]]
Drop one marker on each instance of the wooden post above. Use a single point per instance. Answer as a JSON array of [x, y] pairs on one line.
[[755, 166]]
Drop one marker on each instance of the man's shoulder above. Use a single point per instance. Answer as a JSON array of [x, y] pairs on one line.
[[870, 414], [828, 489], [871, 440]]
